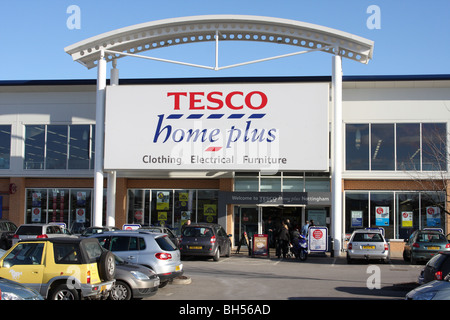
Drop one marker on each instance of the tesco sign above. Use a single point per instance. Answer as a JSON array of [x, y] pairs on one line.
[[243, 126]]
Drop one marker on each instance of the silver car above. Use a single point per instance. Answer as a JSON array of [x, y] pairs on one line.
[[133, 281], [153, 250], [40, 230], [368, 244]]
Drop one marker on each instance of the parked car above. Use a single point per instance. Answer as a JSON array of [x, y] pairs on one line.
[[436, 268], [40, 231], [158, 229], [422, 245], [152, 250], [434, 290], [7, 230], [368, 244], [93, 230], [11, 290], [133, 281], [61, 268], [205, 239]]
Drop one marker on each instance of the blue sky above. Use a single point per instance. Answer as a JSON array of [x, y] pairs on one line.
[[413, 38]]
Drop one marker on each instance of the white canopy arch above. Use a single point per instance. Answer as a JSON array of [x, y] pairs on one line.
[[176, 31]]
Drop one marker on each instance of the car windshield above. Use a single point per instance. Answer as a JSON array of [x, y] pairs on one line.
[[29, 230], [93, 250], [430, 237], [165, 243], [369, 237], [198, 232]]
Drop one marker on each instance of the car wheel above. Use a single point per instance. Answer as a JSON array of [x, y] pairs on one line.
[[349, 260], [216, 256], [107, 266], [412, 260], [163, 284], [63, 292], [228, 250], [120, 291]]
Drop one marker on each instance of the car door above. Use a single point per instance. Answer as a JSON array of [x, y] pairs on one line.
[[125, 247], [24, 264]]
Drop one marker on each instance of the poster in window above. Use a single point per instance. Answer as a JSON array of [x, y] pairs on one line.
[[407, 219], [36, 199], [81, 199], [81, 215], [162, 218], [162, 200], [210, 212], [36, 214], [433, 217], [382, 216], [357, 218]]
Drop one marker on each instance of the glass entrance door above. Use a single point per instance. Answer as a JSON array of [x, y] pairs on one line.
[[246, 220]]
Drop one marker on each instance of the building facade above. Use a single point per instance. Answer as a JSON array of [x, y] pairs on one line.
[[395, 153]]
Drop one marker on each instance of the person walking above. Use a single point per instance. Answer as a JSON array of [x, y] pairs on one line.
[[284, 239], [305, 228]]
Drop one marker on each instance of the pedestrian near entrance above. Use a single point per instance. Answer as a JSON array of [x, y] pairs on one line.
[[285, 239], [305, 228]]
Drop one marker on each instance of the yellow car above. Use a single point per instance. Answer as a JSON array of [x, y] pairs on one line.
[[61, 268]]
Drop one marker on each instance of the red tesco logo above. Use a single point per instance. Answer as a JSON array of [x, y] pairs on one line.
[[216, 100]]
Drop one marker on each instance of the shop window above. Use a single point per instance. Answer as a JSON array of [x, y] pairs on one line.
[[207, 208], [418, 146], [433, 210], [317, 185], [34, 147], [293, 184], [382, 212], [36, 211], [408, 146], [58, 205], [161, 207], [408, 213], [81, 209], [246, 184], [56, 152], [139, 207], [357, 146], [59, 147], [5, 146], [79, 147], [270, 184], [184, 210], [356, 211], [434, 145], [398, 213], [382, 147]]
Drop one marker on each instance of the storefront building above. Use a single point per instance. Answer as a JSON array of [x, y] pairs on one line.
[[395, 177], [347, 152]]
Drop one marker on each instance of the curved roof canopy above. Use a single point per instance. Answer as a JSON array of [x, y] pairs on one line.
[[176, 31]]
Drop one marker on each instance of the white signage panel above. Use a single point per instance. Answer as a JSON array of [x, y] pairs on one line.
[[267, 127]]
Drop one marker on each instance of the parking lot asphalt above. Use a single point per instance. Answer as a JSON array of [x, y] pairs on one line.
[[320, 277]]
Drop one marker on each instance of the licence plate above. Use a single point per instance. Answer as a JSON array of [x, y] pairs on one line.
[[433, 248], [105, 287], [368, 247], [178, 268], [195, 247]]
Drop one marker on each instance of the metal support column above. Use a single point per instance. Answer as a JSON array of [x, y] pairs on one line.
[[337, 145], [97, 219], [111, 192]]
